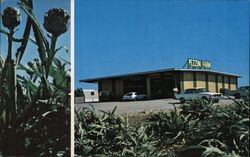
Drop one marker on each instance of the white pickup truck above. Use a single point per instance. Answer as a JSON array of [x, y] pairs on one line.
[[198, 93]]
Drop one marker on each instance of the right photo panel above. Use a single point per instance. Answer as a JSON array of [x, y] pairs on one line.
[[35, 78], [161, 78]]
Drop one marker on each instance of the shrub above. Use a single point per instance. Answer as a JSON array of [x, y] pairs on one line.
[[198, 129], [110, 135], [199, 122]]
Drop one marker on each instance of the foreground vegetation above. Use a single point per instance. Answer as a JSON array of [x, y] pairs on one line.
[[34, 96], [198, 129]]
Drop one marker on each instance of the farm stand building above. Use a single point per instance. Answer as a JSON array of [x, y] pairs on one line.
[[160, 83]]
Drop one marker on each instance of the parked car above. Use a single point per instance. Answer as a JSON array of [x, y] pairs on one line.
[[105, 96], [134, 96], [242, 91], [198, 93]]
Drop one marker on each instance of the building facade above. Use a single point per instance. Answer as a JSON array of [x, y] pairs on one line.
[[160, 83]]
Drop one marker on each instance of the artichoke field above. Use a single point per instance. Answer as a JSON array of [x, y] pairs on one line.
[[110, 135], [196, 129], [34, 96]]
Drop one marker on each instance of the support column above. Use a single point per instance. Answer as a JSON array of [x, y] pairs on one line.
[[181, 82], [223, 82], [99, 86], [216, 83], [195, 79], [148, 88], [118, 89], [236, 82], [207, 86]]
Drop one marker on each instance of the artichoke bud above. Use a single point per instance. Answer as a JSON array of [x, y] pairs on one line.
[[11, 17], [56, 21]]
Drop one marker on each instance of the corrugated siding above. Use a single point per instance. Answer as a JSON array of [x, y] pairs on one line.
[[188, 80], [219, 82], [107, 85], [226, 82], [119, 88], [211, 83], [201, 80], [233, 83]]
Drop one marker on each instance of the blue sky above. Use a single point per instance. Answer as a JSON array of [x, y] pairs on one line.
[[40, 8], [116, 37]]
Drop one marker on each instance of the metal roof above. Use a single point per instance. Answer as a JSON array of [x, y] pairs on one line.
[[97, 79]]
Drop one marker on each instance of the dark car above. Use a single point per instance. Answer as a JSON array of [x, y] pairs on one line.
[[105, 96]]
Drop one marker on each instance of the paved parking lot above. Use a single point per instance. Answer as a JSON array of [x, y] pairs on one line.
[[139, 106]]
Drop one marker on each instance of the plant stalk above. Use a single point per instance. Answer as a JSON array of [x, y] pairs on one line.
[[26, 34], [6, 64], [10, 39], [11, 78], [51, 53], [12, 84]]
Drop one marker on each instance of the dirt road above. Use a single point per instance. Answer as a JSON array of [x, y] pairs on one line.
[[138, 106]]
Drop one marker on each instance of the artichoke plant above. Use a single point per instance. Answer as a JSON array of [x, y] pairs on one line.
[[56, 21], [32, 102], [11, 17]]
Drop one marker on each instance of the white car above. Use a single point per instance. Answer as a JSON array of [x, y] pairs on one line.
[[134, 96], [198, 93]]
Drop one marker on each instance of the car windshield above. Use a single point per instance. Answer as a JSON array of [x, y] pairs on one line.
[[188, 91], [200, 90]]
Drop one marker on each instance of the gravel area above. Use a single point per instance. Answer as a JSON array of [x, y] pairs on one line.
[[139, 106]]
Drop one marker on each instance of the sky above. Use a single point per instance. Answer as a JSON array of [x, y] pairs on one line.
[[40, 8], [124, 36]]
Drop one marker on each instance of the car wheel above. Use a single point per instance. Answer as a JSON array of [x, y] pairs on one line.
[[182, 100], [205, 98], [237, 95]]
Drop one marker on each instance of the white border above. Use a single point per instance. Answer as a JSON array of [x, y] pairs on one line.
[[72, 56]]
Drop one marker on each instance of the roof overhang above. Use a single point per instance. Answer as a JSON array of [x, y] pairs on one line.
[[98, 79]]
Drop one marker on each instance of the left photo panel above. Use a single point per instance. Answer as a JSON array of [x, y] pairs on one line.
[[35, 78]]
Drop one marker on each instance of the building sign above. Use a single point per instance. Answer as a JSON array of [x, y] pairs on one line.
[[196, 63], [206, 64]]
